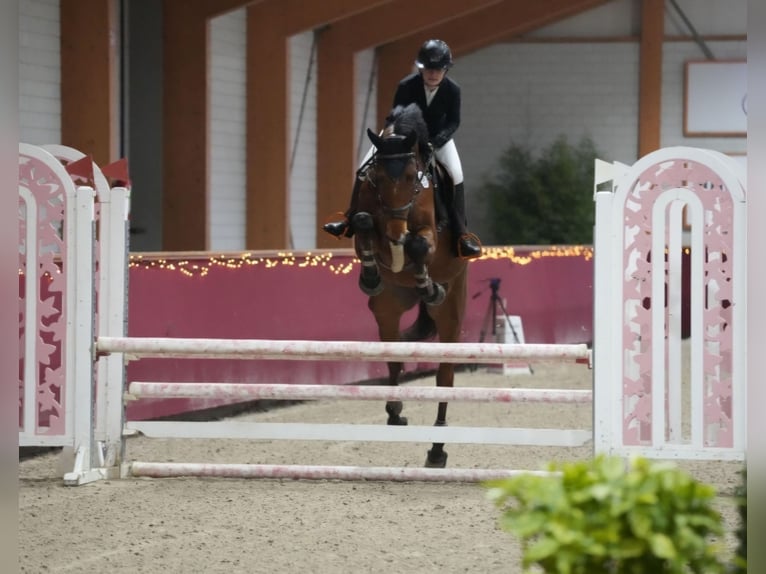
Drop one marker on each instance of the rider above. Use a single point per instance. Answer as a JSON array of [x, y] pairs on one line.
[[439, 99]]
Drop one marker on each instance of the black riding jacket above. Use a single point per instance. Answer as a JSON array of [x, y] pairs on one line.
[[442, 116]]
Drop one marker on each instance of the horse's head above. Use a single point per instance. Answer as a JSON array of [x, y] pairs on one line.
[[398, 174]]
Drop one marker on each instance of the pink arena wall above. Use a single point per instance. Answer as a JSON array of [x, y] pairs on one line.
[[314, 296]]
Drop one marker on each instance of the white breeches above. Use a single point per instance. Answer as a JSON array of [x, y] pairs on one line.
[[447, 155]]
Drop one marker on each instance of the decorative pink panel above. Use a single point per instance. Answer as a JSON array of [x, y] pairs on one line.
[[41, 262], [718, 258]]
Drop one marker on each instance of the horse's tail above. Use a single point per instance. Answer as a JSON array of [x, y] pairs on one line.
[[422, 328]]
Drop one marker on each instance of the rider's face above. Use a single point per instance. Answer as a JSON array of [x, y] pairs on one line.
[[432, 78]]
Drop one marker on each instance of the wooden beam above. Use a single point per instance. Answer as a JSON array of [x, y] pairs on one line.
[[267, 204], [385, 23], [185, 128], [395, 60], [302, 15], [650, 76], [336, 156], [89, 78], [508, 18]]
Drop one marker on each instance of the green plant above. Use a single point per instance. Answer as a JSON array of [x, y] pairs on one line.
[[609, 516], [740, 558], [541, 200]]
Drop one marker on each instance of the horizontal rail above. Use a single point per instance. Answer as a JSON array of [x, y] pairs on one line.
[[255, 391], [138, 347], [360, 432], [309, 472]]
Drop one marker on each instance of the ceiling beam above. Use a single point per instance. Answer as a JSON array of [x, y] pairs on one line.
[[184, 128]]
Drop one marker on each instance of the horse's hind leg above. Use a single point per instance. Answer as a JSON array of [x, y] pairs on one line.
[[388, 309], [448, 320], [394, 408]]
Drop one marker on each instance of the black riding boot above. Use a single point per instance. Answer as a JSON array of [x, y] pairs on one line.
[[344, 228], [468, 245]]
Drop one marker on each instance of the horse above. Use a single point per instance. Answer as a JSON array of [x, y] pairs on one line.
[[405, 246]]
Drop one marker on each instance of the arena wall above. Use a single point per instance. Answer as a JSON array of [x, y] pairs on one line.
[[314, 296]]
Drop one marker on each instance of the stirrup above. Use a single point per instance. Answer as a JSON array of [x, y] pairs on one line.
[[471, 243]]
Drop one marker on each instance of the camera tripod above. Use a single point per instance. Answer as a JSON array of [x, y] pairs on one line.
[[490, 317]]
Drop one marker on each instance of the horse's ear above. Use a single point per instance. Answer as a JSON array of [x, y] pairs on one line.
[[374, 138]]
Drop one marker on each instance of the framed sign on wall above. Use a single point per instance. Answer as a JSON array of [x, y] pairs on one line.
[[715, 98]]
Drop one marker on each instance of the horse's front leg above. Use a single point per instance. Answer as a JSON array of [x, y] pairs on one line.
[[369, 280], [437, 456], [418, 247], [394, 408]]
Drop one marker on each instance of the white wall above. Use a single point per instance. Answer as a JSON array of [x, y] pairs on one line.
[[365, 74], [227, 92], [302, 122], [39, 72]]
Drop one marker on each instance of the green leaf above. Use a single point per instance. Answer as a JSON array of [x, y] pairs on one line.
[[662, 546], [640, 524], [541, 549], [527, 524]]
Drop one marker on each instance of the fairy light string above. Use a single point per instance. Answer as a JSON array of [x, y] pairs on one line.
[[199, 265]]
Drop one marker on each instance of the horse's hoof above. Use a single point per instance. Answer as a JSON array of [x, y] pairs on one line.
[[397, 421], [436, 461], [374, 287], [437, 297]]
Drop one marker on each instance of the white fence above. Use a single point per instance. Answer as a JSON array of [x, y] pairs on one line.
[[640, 401]]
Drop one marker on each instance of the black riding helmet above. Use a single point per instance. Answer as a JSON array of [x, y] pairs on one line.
[[434, 55]]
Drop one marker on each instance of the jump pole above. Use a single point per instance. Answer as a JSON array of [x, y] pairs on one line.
[[142, 347], [259, 391], [309, 472]]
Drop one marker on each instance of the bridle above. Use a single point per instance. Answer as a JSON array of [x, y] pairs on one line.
[[402, 212]]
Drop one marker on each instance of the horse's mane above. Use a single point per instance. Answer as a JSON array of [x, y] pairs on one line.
[[408, 119]]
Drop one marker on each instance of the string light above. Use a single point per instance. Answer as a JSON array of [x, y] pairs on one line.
[[342, 265]]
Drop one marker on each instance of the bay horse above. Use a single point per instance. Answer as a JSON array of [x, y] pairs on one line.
[[406, 251]]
